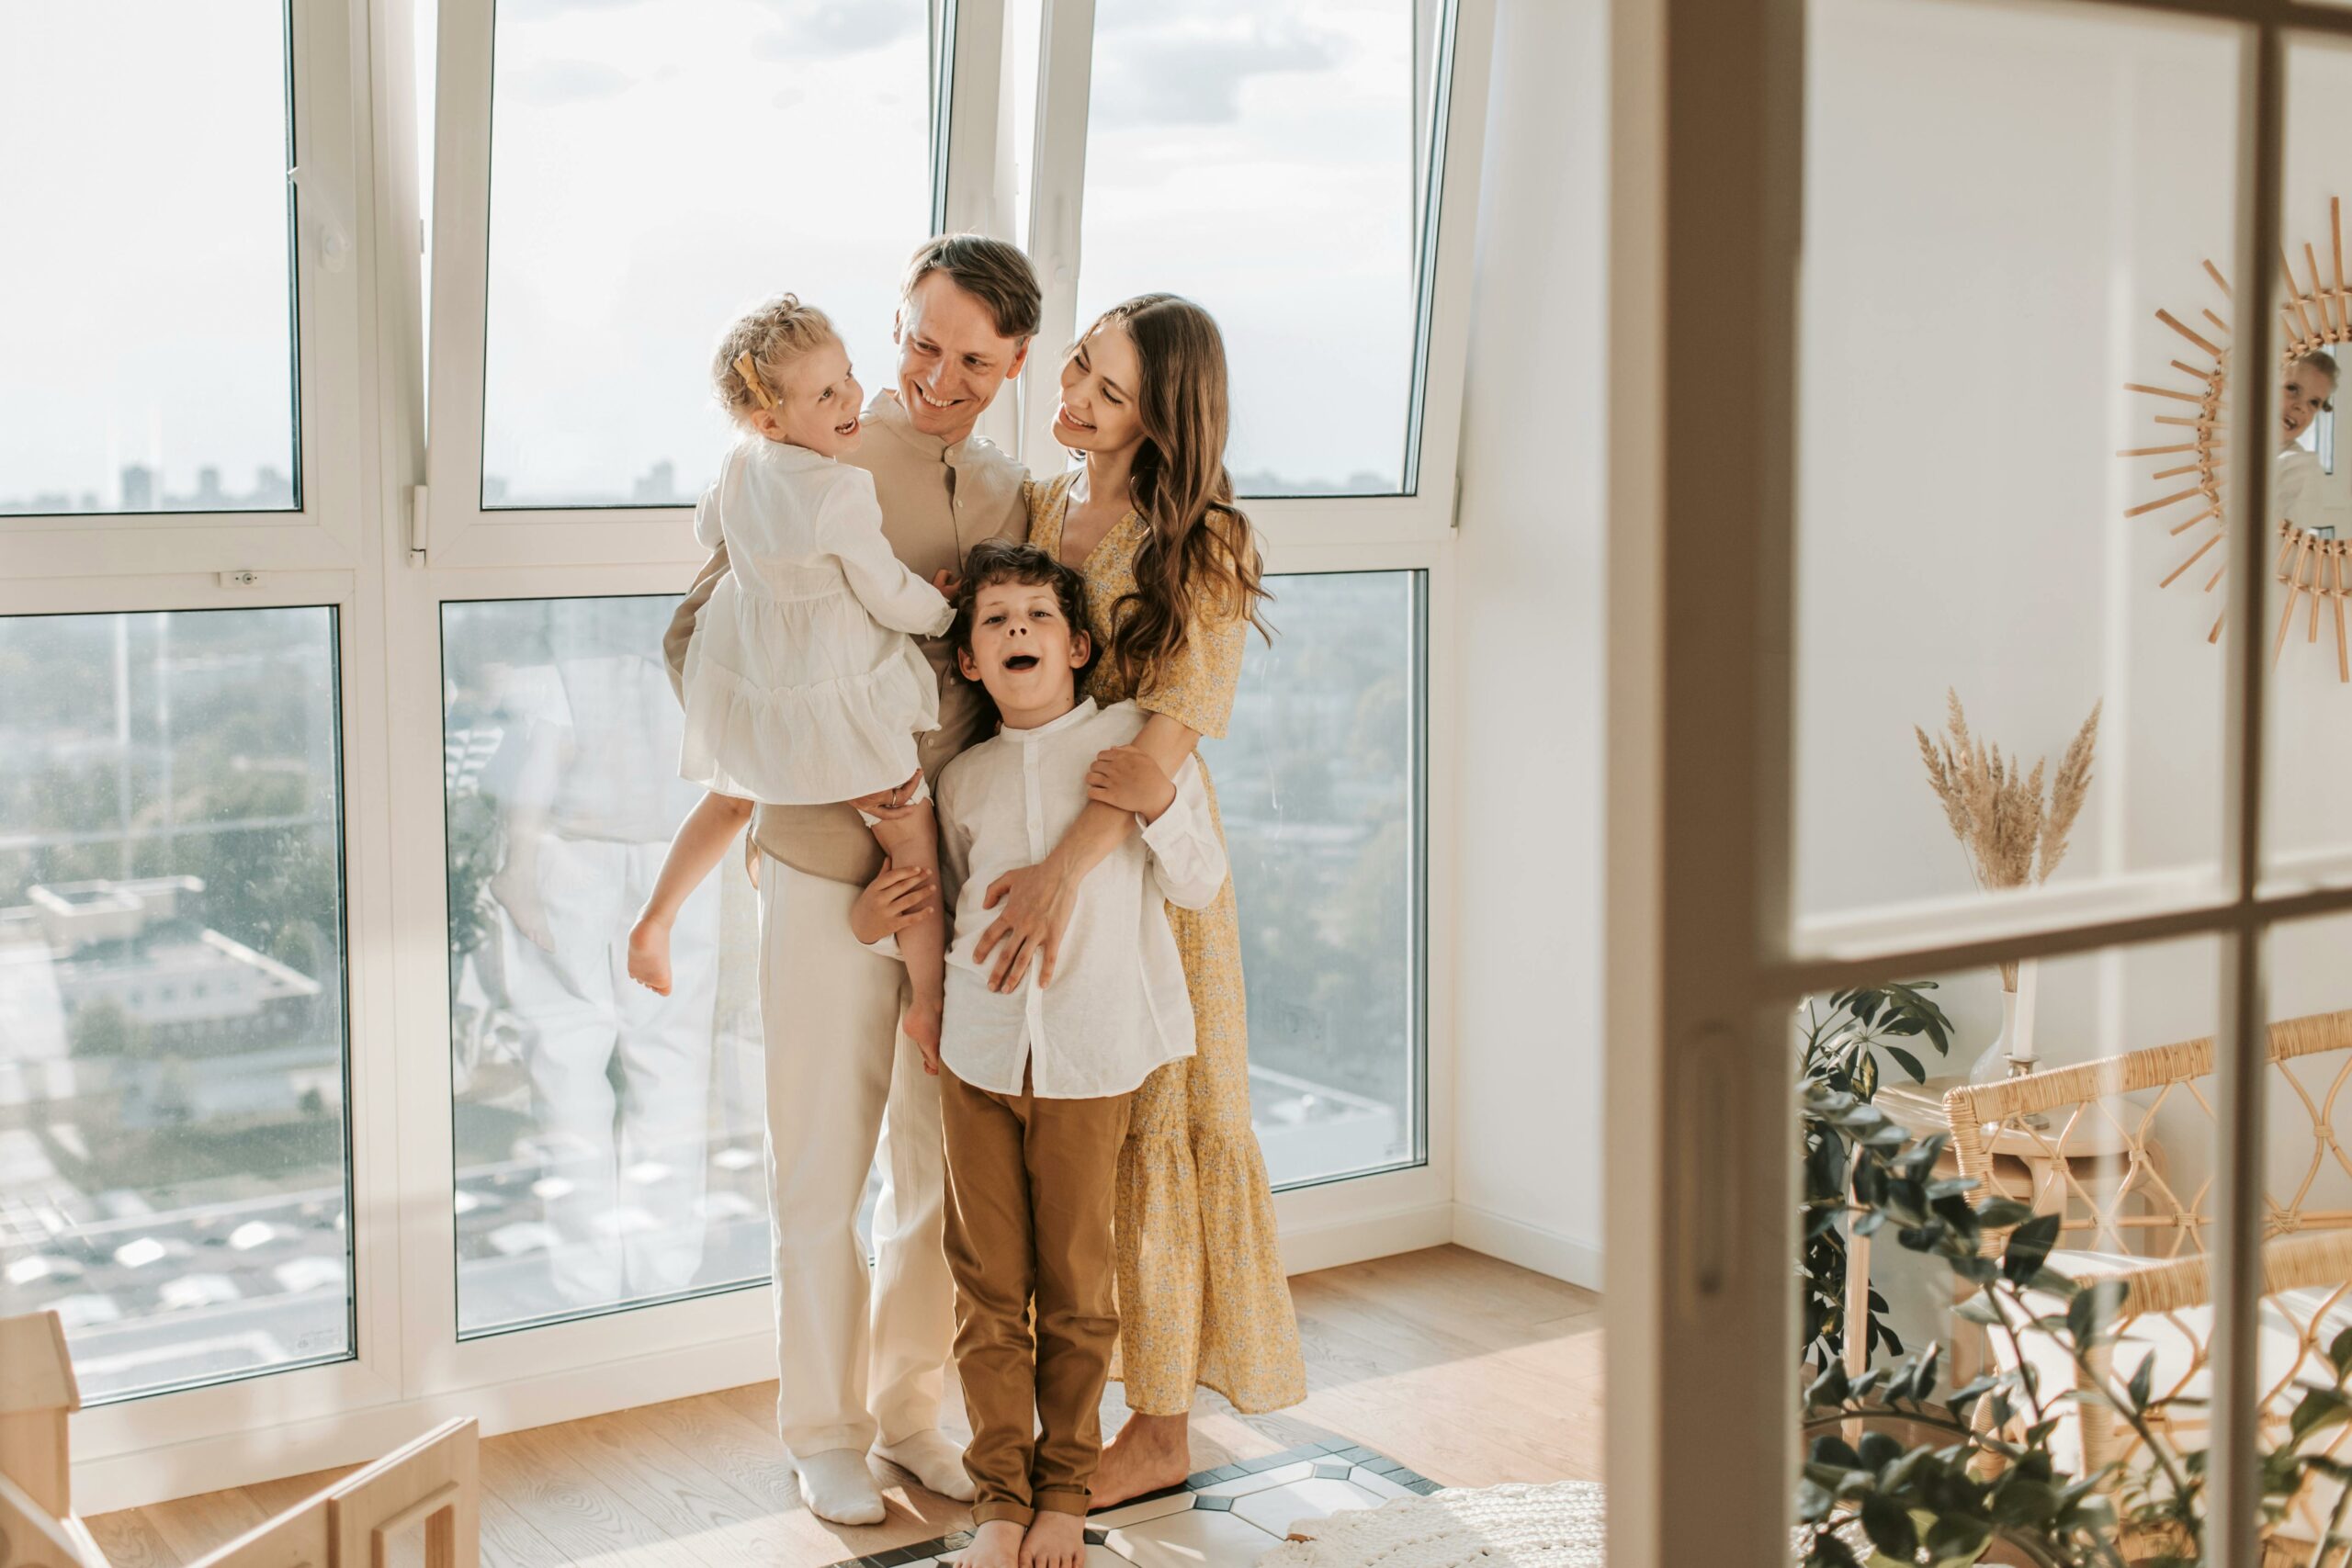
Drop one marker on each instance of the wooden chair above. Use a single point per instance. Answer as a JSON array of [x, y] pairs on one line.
[[2155, 1242], [433, 1483]]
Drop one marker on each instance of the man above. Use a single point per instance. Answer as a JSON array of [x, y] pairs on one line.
[[859, 1366]]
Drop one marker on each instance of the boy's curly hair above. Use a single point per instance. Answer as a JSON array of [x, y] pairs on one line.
[[995, 562]]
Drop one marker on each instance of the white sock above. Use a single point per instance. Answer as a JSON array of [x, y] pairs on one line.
[[836, 1486], [935, 1458]]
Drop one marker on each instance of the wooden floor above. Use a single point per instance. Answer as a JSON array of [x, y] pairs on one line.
[[1469, 1370]]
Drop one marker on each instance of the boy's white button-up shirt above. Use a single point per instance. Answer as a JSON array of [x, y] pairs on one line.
[[1117, 1007]]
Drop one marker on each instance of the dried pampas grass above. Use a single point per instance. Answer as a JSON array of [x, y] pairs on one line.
[[2012, 836]]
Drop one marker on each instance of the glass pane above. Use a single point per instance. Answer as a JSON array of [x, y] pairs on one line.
[[656, 169], [157, 374], [1319, 783], [2303, 1316], [173, 1168], [1981, 499], [1232, 152], [2001, 1239], [2306, 633], [608, 1140]]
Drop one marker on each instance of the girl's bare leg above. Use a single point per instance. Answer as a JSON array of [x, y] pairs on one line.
[[701, 844], [914, 840]]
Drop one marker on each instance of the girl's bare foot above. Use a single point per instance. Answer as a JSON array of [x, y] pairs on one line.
[[1150, 1454], [649, 954], [1055, 1541], [922, 1022], [996, 1544]]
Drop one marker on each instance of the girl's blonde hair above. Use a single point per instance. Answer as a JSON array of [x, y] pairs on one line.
[[780, 332], [1199, 560]]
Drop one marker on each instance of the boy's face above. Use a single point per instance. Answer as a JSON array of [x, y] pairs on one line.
[[1024, 649]]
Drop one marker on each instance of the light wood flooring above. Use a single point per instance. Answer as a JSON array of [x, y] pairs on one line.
[[1468, 1369]]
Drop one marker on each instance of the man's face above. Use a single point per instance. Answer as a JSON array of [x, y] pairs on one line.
[[952, 360], [1024, 650]]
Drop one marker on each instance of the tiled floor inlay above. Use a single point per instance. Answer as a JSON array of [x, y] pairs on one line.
[[1229, 1515]]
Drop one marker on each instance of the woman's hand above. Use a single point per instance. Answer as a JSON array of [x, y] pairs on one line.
[[1036, 905], [1131, 779], [890, 804], [890, 903], [947, 583]]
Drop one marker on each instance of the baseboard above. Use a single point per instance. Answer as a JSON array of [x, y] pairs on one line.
[[143, 1476], [1357, 1239], [1531, 1247]]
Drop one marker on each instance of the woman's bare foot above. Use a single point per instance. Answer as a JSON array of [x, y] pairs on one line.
[[1150, 1453], [649, 954], [1055, 1541], [996, 1544]]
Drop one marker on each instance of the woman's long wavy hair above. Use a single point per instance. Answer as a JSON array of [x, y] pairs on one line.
[[1199, 560]]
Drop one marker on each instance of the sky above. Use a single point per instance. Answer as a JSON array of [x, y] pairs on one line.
[[657, 167]]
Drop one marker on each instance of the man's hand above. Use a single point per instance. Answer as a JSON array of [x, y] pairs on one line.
[[890, 903], [889, 804], [1131, 778], [948, 583], [1036, 905]]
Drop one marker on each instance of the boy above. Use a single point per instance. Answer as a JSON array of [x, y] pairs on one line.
[[1037, 1082]]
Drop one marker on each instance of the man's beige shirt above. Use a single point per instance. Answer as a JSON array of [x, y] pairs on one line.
[[938, 500]]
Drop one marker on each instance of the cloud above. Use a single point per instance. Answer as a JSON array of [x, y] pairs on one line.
[[566, 81], [1184, 75], [827, 30]]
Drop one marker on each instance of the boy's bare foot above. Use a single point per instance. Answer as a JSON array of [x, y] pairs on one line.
[[922, 1022], [996, 1544], [1150, 1454], [1055, 1541], [649, 954]]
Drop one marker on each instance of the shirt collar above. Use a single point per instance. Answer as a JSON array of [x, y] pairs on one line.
[[1084, 710], [783, 455], [884, 410]]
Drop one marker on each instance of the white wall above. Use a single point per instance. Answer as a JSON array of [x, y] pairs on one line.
[[1527, 1090]]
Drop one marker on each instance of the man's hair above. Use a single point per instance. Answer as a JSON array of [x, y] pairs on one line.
[[994, 562], [992, 271]]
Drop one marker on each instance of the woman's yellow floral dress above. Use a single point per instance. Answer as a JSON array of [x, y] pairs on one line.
[[1202, 1296]]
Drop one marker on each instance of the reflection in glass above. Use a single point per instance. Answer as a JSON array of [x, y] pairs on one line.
[[2088, 1177], [1234, 149], [152, 376], [1318, 781], [607, 1139], [172, 1175], [656, 169]]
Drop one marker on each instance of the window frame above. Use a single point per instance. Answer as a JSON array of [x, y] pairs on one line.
[[1706, 952], [330, 410]]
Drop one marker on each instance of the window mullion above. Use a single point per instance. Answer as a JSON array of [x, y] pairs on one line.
[[1057, 193]]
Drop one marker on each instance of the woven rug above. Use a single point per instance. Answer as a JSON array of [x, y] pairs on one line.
[[1558, 1524]]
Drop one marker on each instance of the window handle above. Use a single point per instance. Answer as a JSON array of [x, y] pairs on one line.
[[334, 229]]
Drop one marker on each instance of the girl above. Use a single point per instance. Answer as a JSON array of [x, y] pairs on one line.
[[1173, 587], [802, 685]]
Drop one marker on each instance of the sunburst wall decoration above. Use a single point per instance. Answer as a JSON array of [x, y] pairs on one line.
[[2310, 565]]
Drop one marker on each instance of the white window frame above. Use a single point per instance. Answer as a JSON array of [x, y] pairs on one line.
[[366, 543], [331, 412], [1706, 954]]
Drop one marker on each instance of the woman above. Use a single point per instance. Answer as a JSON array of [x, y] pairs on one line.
[[1172, 588]]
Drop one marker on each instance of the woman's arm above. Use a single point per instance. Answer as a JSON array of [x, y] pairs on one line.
[[1033, 905]]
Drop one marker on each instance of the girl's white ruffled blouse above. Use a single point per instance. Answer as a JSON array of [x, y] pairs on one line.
[[1117, 1007], [802, 685]]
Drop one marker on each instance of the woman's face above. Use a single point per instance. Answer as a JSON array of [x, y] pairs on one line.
[[1100, 381], [2307, 386]]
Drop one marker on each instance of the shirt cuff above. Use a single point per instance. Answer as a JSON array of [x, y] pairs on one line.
[[885, 946]]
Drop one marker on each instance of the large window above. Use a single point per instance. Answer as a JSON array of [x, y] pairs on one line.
[[147, 355], [1268, 163], [655, 170], [172, 1115], [607, 1139], [1318, 783]]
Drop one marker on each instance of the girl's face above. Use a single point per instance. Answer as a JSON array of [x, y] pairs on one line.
[[2307, 386], [1100, 381], [818, 405]]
